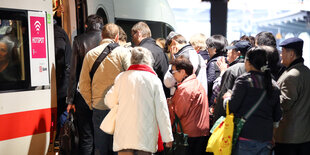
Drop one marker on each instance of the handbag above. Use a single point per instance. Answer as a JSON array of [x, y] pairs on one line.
[[220, 142], [239, 122], [68, 136], [108, 123], [180, 145]]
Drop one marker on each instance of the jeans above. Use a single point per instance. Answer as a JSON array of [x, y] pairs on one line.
[[103, 141], [85, 126], [252, 147]]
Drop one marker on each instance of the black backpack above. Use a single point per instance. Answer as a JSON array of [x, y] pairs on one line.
[[68, 137]]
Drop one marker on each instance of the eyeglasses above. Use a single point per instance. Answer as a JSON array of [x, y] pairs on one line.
[[173, 71]]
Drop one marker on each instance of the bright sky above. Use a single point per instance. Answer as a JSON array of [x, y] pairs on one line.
[[192, 16]]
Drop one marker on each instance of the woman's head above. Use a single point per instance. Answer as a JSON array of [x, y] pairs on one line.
[[141, 55], [216, 44], [256, 60], [181, 68], [256, 57], [6, 47]]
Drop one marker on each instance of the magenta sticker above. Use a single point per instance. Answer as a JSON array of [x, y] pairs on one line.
[[38, 45]]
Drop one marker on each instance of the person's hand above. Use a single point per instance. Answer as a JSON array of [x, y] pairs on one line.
[[169, 144], [169, 101], [70, 106], [227, 95], [173, 50], [221, 63]]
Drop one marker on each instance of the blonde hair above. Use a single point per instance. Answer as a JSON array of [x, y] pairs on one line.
[[199, 40], [110, 31]]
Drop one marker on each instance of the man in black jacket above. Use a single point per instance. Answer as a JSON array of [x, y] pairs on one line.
[[62, 57], [229, 77], [81, 45], [141, 36]]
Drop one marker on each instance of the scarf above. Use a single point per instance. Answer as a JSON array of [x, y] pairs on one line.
[[142, 67]]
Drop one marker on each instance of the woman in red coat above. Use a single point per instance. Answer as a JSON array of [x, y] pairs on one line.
[[190, 104]]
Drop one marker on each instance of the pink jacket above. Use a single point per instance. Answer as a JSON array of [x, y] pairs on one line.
[[190, 103]]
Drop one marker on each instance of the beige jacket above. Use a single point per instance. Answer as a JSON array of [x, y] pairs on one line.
[[113, 64]]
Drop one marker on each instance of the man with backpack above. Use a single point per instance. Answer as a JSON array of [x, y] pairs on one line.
[[95, 83]]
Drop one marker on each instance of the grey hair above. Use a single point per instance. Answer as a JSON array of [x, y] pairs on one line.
[[8, 43], [141, 55]]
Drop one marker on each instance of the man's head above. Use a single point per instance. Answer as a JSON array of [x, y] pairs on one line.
[[238, 49], [94, 22], [139, 32], [291, 50], [110, 31], [265, 39], [174, 42]]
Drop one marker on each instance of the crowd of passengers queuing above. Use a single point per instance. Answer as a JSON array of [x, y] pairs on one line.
[[155, 81]]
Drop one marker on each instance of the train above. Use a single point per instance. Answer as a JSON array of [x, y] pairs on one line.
[[28, 97]]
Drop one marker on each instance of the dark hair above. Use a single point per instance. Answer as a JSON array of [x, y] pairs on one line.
[[218, 42], [257, 56], [94, 22], [272, 58], [122, 34], [250, 39], [183, 63], [265, 38]]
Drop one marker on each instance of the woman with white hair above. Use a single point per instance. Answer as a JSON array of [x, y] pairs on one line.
[[142, 107]]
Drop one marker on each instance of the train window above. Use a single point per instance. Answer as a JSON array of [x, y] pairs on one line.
[[13, 50]]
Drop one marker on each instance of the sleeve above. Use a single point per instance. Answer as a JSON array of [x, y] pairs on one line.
[[112, 97], [216, 86], [169, 80], [68, 55], [277, 112], [85, 81], [181, 96], [126, 55], [238, 94], [162, 113], [289, 93], [227, 83], [72, 77]]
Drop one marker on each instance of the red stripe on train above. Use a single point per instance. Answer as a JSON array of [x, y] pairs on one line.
[[26, 123]]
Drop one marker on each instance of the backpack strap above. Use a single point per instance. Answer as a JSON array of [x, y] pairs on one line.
[[101, 57]]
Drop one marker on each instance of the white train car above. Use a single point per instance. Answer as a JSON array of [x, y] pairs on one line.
[[28, 100]]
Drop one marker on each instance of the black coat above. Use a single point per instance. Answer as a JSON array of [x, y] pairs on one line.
[[81, 45], [228, 79], [213, 72], [161, 63], [62, 58]]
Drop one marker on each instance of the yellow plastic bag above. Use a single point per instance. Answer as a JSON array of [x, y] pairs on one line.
[[220, 142]]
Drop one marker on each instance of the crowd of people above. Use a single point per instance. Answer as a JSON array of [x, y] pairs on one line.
[[155, 81]]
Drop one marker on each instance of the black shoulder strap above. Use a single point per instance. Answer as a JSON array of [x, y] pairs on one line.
[[101, 57], [198, 68]]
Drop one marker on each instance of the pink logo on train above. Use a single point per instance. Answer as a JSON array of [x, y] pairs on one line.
[[38, 45]]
